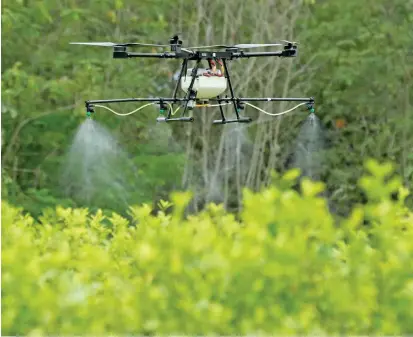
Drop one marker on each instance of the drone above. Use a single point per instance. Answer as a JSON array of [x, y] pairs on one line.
[[200, 85]]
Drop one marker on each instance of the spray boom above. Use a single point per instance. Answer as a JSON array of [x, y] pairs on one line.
[[163, 109]]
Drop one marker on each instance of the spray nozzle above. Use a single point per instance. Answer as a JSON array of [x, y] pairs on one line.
[[162, 107], [240, 106], [310, 107], [89, 110]]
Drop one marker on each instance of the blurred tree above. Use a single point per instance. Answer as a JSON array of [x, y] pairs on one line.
[[364, 72], [46, 80], [356, 61]]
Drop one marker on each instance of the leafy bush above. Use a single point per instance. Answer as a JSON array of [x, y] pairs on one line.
[[286, 266]]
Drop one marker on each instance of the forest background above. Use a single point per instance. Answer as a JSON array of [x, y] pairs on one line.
[[356, 61], [277, 261]]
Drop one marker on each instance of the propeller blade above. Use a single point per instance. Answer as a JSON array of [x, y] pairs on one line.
[[213, 46], [253, 45], [101, 44], [143, 44], [111, 44], [241, 46], [292, 42]]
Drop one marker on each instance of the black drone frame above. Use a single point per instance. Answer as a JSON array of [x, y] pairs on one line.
[[178, 52]]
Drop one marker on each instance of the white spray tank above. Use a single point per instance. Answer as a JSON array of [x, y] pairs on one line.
[[206, 86]]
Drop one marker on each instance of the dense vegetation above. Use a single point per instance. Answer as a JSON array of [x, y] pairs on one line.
[[356, 62], [274, 271], [269, 255]]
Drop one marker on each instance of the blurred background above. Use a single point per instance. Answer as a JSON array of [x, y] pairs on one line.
[[355, 58]]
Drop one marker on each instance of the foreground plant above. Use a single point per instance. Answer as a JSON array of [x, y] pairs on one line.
[[285, 267]]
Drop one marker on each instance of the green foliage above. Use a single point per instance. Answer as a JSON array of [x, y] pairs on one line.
[[286, 267], [357, 59], [364, 75], [45, 82]]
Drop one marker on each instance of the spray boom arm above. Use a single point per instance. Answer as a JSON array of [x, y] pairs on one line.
[[163, 103]]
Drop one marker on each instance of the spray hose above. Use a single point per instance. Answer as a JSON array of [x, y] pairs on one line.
[[162, 110], [275, 114], [310, 107], [132, 112]]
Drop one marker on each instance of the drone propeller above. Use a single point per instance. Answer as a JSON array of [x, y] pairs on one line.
[[240, 46], [290, 42], [254, 45], [111, 44]]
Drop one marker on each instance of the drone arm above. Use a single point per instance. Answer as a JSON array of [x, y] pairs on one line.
[[153, 55], [284, 53], [125, 54]]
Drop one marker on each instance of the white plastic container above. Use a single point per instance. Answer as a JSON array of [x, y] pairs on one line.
[[206, 87]]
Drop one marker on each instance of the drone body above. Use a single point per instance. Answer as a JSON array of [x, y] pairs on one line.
[[200, 85]]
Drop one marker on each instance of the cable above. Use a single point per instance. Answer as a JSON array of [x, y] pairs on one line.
[[254, 106], [275, 114], [173, 113], [136, 110], [125, 114]]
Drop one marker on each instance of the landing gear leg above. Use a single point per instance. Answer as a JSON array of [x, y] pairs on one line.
[[236, 104]]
